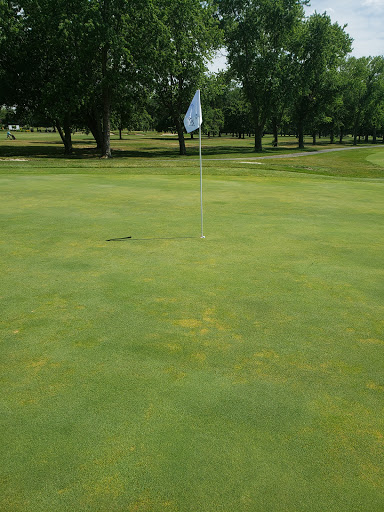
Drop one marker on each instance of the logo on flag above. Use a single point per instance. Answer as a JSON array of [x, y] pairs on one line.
[[193, 118]]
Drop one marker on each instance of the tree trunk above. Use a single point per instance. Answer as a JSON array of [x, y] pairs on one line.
[[275, 132], [300, 133], [355, 137], [332, 138], [341, 134], [258, 138], [180, 135], [374, 136], [66, 137], [96, 134], [106, 148], [314, 138], [94, 125]]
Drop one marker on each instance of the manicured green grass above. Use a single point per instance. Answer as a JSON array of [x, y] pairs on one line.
[[158, 154], [238, 373]]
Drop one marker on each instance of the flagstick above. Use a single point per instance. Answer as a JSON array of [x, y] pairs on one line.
[[201, 184]]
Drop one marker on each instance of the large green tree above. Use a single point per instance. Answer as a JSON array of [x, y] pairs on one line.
[[78, 58], [364, 95], [9, 28], [258, 36], [320, 48], [189, 34], [121, 50], [374, 108], [355, 71], [213, 90], [237, 112], [42, 61]]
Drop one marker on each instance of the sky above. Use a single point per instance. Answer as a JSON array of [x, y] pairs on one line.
[[364, 20]]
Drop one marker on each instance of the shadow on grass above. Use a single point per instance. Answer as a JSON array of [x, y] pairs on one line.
[[86, 149], [46, 150], [129, 238]]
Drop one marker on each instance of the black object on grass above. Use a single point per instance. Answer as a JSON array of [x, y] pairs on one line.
[[117, 239]]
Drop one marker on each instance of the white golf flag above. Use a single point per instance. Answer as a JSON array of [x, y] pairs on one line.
[[193, 117]]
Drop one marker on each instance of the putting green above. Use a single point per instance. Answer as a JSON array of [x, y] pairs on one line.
[[238, 373]]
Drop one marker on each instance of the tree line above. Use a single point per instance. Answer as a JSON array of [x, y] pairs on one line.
[[103, 64]]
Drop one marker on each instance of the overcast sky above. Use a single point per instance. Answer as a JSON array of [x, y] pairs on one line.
[[364, 20]]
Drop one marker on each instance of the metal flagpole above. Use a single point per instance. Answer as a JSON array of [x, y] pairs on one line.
[[201, 184], [192, 116]]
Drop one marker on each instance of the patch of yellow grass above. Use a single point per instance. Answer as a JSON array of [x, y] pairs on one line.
[[209, 317], [372, 341], [268, 354], [28, 401], [149, 412], [36, 366], [146, 504], [376, 434], [174, 347], [199, 356], [108, 486], [189, 323], [262, 365], [166, 300], [374, 386], [175, 373]]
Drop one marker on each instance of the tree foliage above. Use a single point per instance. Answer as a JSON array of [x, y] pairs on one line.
[[103, 64], [258, 37], [188, 35], [319, 49]]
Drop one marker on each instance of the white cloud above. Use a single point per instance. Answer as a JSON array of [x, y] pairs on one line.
[[363, 19], [364, 22], [374, 3]]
